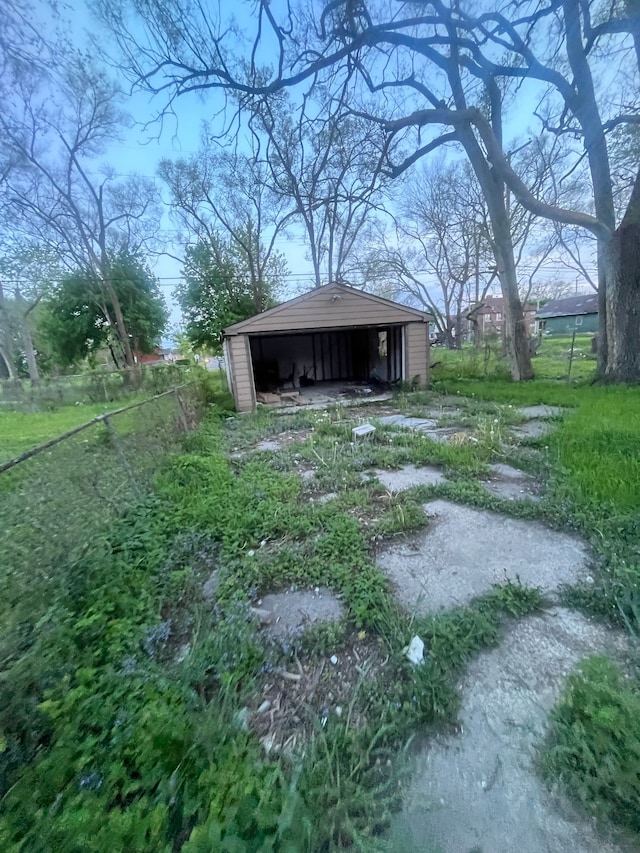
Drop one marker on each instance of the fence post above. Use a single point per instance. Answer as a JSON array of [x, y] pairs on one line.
[[123, 458], [182, 415], [573, 343]]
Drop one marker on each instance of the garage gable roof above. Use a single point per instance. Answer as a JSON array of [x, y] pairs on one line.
[[331, 306]]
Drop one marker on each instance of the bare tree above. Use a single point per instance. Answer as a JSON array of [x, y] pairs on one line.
[[353, 47], [26, 273], [328, 168], [583, 104], [439, 68], [439, 256], [56, 192], [218, 189]]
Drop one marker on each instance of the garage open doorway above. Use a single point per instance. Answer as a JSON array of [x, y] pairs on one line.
[[373, 356]]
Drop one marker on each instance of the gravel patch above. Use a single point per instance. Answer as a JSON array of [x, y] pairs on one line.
[[420, 424], [465, 551]]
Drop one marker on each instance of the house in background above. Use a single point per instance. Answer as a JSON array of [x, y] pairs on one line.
[[487, 318], [334, 334], [149, 358], [563, 316]]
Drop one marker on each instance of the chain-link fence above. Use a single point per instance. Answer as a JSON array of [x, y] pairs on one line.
[[57, 498], [95, 387]]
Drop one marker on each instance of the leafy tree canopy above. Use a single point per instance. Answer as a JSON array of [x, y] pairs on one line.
[[79, 316], [217, 291]]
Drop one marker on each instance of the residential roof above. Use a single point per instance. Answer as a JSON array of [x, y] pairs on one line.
[[572, 306], [315, 304]]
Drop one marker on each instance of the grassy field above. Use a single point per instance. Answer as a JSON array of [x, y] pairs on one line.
[[20, 431], [129, 718], [550, 363]]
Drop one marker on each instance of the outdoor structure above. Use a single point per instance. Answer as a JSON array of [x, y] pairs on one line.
[[486, 318], [564, 316], [334, 334]]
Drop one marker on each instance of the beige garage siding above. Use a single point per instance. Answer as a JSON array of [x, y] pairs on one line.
[[330, 307], [242, 373], [417, 353]]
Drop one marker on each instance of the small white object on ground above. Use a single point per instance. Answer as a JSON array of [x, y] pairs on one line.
[[363, 430], [415, 650], [333, 659]]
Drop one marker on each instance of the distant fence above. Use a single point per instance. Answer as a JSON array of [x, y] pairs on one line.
[[55, 498], [95, 387]]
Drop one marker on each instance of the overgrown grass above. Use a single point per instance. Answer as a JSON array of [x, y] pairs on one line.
[[593, 744], [112, 739], [124, 699], [488, 360], [21, 431]]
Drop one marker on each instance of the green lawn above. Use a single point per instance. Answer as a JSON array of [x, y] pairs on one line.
[[20, 431], [551, 361]]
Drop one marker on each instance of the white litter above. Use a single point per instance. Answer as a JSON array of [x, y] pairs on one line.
[[363, 430], [415, 650]]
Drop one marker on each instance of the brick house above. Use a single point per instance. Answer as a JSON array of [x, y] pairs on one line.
[[488, 317]]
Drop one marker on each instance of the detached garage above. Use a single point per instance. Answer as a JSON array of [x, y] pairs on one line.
[[334, 334]]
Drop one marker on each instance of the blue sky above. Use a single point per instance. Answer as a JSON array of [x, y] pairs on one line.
[[142, 148], [144, 145]]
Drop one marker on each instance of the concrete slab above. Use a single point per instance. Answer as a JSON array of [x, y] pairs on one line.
[[464, 551], [323, 499], [269, 444], [410, 476], [294, 610], [419, 424], [543, 411], [445, 435], [533, 429], [508, 472], [478, 791], [511, 484], [509, 490]]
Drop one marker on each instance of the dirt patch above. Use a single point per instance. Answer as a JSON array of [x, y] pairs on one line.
[[285, 613], [465, 551], [282, 440], [410, 476], [291, 702], [478, 791], [511, 484]]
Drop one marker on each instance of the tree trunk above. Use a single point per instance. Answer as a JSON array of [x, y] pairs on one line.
[[623, 296], [493, 190], [584, 105], [120, 326], [515, 330], [5, 355], [30, 353]]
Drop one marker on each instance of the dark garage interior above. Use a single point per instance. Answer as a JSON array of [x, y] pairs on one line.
[[298, 360]]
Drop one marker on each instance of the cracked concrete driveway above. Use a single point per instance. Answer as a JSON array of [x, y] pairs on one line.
[[464, 551]]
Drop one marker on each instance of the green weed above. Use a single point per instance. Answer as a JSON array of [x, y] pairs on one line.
[[593, 745]]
